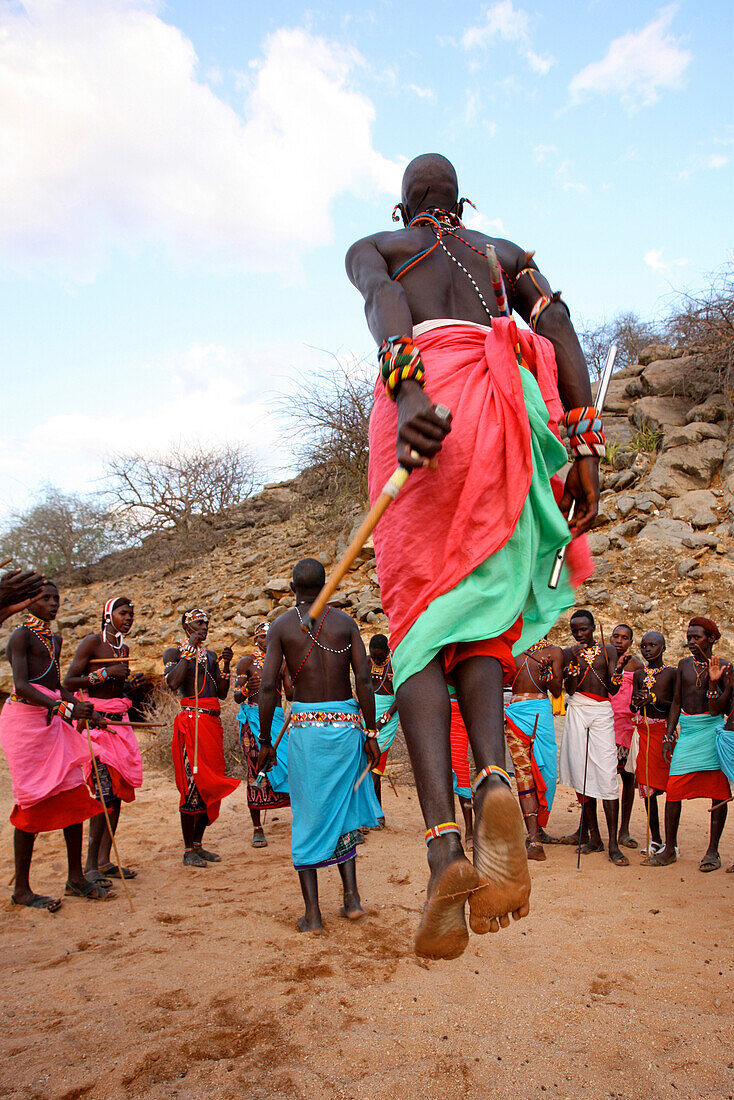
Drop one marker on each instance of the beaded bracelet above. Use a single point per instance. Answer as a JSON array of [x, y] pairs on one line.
[[400, 360], [63, 710], [370, 734], [188, 652], [585, 432], [97, 677]]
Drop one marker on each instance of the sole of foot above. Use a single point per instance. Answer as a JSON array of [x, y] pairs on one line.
[[352, 913], [535, 851], [308, 924], [442, 932], [500, 860]]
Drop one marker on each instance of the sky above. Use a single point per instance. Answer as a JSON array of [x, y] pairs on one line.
[[179, 183]]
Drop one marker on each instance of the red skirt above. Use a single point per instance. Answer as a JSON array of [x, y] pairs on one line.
[[698, 785], [459, 748], [500, 648], [210, 781], [57, 812], [652, 769]]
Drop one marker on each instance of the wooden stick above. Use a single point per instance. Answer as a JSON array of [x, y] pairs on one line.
[[363, 776], [196, 709], [261, 776], [108, 660], [373, 517], [722, 802], [391, 781], [140, 725], [104, 808], [5, 561]]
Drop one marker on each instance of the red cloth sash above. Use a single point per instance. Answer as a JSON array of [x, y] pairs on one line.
[[698, 785], [540, 784], [57, 812], [212, 783], [448, 521], [652, 769]]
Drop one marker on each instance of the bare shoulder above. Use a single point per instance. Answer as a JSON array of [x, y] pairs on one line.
[[244, 663], [173, 653]]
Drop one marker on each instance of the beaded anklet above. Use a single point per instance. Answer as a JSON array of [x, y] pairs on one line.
[[491, 769], [441, 830]]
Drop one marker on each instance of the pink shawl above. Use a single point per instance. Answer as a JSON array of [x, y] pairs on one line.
[[44, 760], [118, 746]]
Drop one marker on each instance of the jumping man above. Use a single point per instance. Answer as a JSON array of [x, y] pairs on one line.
[[198, 739], [465, 553]]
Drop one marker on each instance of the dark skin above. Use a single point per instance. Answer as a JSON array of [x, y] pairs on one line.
[[622, 641], [119, 683], [18, 590], [382, 685], [211, 683], [695, 676], [324, 676], [29, 659], [538, 673], [595, 678], [248, 675], [436, 287], [652, 648]]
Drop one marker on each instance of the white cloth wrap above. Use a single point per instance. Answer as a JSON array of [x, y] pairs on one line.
[[597, 716]]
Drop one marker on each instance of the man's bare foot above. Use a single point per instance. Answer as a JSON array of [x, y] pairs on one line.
[[535, 851], [663, 858], [572, 840], [499, 858], [37, 901], [352, 907], [442, 932], [310, 922]]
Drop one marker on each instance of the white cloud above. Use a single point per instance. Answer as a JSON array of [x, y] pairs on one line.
[[473, 219], [542, 153], [717, 160], [110, 138], [422, 93], [502, 20], [637, 66], [654, 260]]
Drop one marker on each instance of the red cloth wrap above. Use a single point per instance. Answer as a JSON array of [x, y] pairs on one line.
[[212, 783], [652, 769], [57, 812], [459, 747], [500, 648], [624, 725], [449, 520], [698, 785], [540, 784]]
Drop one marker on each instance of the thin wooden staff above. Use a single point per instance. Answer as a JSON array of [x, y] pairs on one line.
[[391, 781], [647, 783], [362, 777], [108, 660], [261, 776], [104, 807], [392, 487], [4, 562], [139, 725], [196, 708], [722, 802], [583, 803]]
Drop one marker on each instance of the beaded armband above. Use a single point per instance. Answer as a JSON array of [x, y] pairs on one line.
[[400, 360], [441, 830], [617, 678], [542, 304], [188, 653], [585, 432], [370, 734], [97, 677], [63, 710]]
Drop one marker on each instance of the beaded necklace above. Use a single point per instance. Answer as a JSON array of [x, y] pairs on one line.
[[442, 222], [651, 675], [383, 671], [116, 649], [315, 638], [704, 671], [42, 631]]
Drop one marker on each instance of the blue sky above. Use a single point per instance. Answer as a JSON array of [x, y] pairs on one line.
[[180, 182]]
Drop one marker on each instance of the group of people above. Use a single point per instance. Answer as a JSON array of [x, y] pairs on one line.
[[477, 556]]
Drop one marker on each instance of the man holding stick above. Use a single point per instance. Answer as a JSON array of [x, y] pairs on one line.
[[465, 553], [46, 754], [652, 697], [327, 744], [193, 672], [100, 668]]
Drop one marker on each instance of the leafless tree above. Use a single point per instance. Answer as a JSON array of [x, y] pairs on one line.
[[705, 323], [159, 492], [628, 331], [329, 415], [60, 532]]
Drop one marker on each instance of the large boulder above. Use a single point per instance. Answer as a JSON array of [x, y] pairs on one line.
[[717, 406], [670, 532], [654, 351], [277, 587], [690, 457], [697, 507], [673, 377], [659, 412], [617, 399]]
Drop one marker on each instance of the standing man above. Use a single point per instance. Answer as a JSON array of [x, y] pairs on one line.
[[465, 553], [386, 708], [531, 736], [326, 747], [272, 793], [198, 738], [116, 747], [652, 697], [588, 750], [703, 692], [46, 754], [626, 667]]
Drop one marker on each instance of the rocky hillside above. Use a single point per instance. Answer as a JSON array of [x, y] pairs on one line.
[[664, 544]]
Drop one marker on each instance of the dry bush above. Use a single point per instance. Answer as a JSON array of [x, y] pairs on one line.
[[705, 324]]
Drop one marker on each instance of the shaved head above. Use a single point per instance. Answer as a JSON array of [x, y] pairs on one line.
[[429, 180], [309, 575], [655, 637]]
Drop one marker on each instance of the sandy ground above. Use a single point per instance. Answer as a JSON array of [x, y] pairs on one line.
[[619, 984]]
